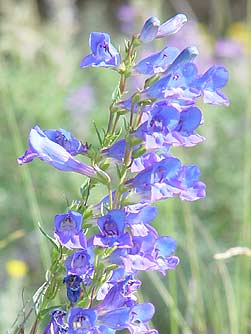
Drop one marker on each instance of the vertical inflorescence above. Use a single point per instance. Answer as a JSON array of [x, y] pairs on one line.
[[100, 247]]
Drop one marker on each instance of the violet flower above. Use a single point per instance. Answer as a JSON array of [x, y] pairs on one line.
[[112, 232], [168, 178], [158, 62], [57, 323], [139, 216], [73, 287], [209, 84], [85, 321], [68, 230], [153, 253], [149, 30], [133, 318], [103, 53], [65, 139], [81, 263], [55, 152], [117, 150], [121, 294], [153, 29]]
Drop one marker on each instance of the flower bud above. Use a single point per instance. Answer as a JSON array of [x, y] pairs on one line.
[[172, 25], [186, 55], [149, 30]]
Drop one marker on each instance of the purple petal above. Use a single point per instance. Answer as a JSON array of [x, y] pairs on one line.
[[165, 246], [28, 156], [55, 154], [172, 25], [149, 30], [158, 62], [190, 119], [142, 312], [116, 319]]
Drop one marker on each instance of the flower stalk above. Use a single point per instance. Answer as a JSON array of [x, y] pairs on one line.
[[100, 247]]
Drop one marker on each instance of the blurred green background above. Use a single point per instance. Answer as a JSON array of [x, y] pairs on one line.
[[41, 45]]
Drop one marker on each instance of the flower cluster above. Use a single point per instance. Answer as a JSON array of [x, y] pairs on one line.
[[102, 246]]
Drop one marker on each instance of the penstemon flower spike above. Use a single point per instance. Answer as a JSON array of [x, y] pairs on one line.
[[99, 248]]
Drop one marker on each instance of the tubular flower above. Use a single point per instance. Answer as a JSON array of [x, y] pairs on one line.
[[73, 287], [67, 229], [103, 53], [153, 29], [80, 263], [55, 154], [112, 231], [84, 321], [57, 323]]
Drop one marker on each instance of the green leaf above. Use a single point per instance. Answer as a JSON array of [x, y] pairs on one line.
[[116, 95], [138, 152], [85, 189], [53, 241], [39, 296], [98, 133], [136, 98], [151, 80], [118, 171], [133, 140]]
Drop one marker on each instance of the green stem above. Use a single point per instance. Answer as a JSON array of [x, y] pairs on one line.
[[115, 123], [139, 117], [122, 83], [111, 114], [127, 158]]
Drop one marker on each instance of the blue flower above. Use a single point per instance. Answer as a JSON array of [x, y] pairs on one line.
[[175, 84], [56, 154], [139, 316], [65, 139], [158, 62], [57, 323], [190, 119], [163, 118], [103, 53], [167, 178], [84, 321], [80, 263], [209, 84], [185, 56], [112, 233], [151, 252], [117, 318], [184, 82], [67, 229], [171, 26], [162, 171], [120, 294], [149, 30], [73, 286], [184, 133], [117, 150], [191, 188], [145, 161], [153, 29], [139, 216], [134, 318]]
